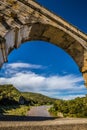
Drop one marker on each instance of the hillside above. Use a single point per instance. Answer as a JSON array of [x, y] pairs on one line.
[[12, 92], [71, 108], [38, 98], [9, 91], [10, 96]]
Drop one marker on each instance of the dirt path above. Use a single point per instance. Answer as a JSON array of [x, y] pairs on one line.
[[40, 111], [39, 119]]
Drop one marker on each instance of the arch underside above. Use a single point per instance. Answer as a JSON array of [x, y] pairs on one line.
[[59, 38], [48, 33]]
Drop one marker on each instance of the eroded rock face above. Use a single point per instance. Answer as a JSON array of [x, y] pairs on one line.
[[26, 20]]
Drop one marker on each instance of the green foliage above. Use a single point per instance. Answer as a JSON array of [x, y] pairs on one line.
[[10, 97], [11, 92], [9, 100], [71, 108], [38, 98], [17, 110]]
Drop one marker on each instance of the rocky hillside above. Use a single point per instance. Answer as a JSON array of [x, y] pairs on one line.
[[9, 91]]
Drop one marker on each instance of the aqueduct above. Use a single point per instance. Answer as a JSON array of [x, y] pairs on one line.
[[26, 20]]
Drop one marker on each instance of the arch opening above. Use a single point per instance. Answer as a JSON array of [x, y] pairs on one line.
[[49, 71], [44, 61]]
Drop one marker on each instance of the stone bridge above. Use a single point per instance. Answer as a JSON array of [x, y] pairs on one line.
[[26, 20]]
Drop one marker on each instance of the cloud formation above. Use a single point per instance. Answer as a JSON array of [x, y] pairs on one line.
[[22, 65], [66, 87]]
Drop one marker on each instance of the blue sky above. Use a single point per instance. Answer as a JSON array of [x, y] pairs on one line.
[[44, 68]]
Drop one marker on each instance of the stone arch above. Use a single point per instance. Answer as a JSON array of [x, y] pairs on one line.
[[59, 38], [46, 33], [37, 23]]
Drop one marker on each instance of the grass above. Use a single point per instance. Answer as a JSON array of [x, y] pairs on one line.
[[20, 111]]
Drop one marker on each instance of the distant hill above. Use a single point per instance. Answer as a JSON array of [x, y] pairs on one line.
[[13, 93], [39, 98]]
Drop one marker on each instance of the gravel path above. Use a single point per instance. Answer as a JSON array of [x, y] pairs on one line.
[[40, 111]]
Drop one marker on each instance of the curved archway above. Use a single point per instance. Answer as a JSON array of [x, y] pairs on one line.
[[53, 72], [50, 34]]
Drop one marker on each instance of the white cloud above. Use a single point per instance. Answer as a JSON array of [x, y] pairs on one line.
[[23, 65], [65, 87], [69, 97]]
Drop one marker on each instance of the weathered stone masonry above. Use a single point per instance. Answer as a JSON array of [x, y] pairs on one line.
[[26, 20]]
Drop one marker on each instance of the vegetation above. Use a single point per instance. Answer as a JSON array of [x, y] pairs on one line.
[[17, 110], [39, 98], [71, 108], [9, 91], [14, 102]]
